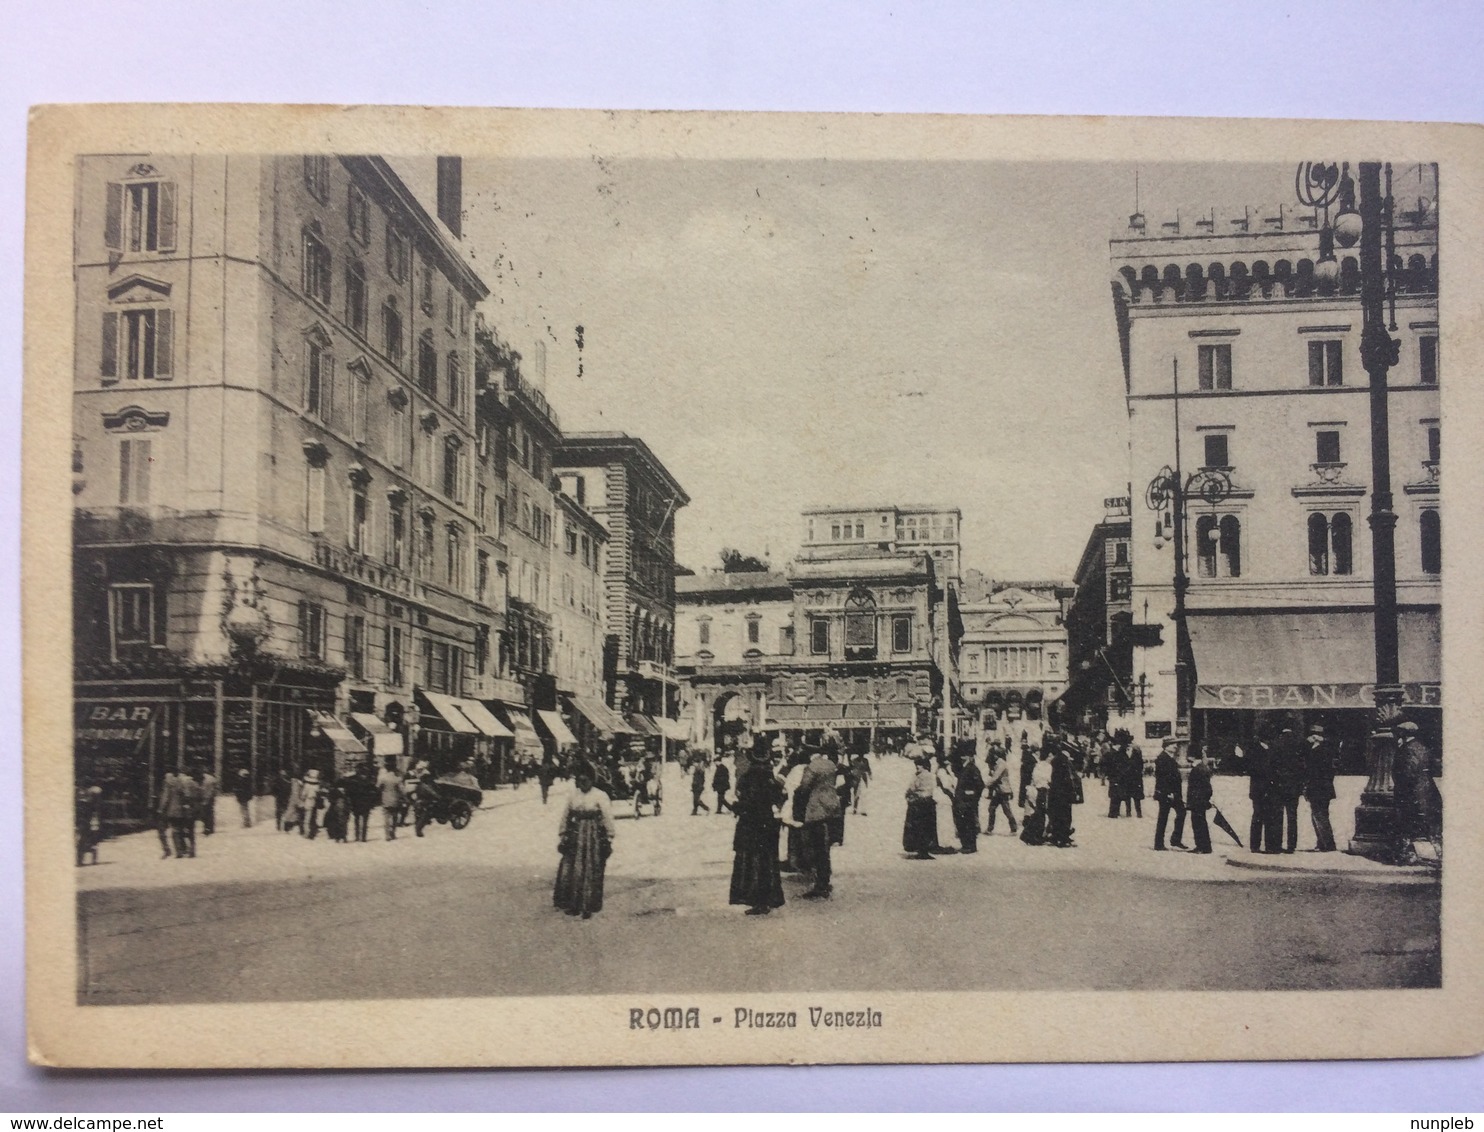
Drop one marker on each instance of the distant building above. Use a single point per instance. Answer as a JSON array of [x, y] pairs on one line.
[[1100, 639], [843, 532], [1237, 330], [624, 485], [1012, 659], [577, 602]]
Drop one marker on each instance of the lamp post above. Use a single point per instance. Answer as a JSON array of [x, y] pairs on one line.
[[1376, 829], [1170, 488]]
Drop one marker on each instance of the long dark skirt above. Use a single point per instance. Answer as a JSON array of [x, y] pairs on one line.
[[579, 879], [920, 831], [755, 879]]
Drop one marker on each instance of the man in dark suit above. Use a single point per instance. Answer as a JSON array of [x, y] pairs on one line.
[[1258, 761], [820, 809], [1168, 791], [1198, 801], [1288, 785], [1319, 786]]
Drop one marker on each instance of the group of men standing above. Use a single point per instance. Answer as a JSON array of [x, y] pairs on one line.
[[1281, 770]]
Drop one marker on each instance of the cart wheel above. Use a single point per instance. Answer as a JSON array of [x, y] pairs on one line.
[[459, 814]]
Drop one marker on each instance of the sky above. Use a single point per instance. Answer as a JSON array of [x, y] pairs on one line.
[[790, 333]]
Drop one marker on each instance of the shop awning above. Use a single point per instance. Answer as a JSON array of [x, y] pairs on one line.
[[384, 739], [527, 742], [479, 715], [557, 727], [338, 734], [643, 725], [673, 729], [446, 708], [600, 715], [1264, 661]]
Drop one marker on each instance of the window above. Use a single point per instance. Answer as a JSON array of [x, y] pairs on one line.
[[587, 550], [1215, 366], [786, 640], [355, 297], [425, 543], [137, 344], [1120, 587], [1218, 546], [455, 573], [1330, 544], [1327, 447], [396, 432], [482, 505], [860, 627], [312, 630], [835, 532], [319, 380], [316, 268], [358, 215], [821, 689], [704, 629], [974, 664], [1432, 542], [317, 176], [360, 397], [397, 252], [314, 498], [1120, 554], [134, 472], [425, 299], [481, 575], [396, 531], [455, 383], [1434, 446], [448, 308], [1324, 364], [135, 621], [860, 530], [427, 364], [819, 636], [140, 217], [754, 627], [391, 333], [571, 541], [901, 633], [1427, 359], [355, 646], [1217, 455], [391, 640], [360, 519]]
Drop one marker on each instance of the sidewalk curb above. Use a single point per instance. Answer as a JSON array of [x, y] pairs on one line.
[[1382, 874]]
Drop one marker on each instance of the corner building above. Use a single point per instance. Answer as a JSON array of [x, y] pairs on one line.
[[1236, 332]]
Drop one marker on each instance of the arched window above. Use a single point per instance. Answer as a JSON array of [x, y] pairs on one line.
[[1230, 549], [1339, 540], [860, 626], [1432, 542], [1318, 544], [1206, 538]]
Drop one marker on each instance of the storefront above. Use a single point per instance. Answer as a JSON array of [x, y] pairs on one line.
[[457, 731], [558, 739], [381, 738], [1302, 668], [595, 724]]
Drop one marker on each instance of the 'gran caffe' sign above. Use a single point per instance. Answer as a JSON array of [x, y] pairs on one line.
[[1258, 697]]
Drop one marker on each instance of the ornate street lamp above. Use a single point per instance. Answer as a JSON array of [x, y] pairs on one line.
[[1377, 834], [1168, 491]]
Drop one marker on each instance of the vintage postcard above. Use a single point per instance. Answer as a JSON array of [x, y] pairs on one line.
[[554, 588]]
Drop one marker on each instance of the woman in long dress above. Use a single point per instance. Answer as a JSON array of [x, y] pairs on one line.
[[920, 831], [586, 840], [755, 878]]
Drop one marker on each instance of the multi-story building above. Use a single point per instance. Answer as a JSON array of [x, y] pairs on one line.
[[1101, 692], [625, 486], [830, 532], [1243, 373], [577, 612], [275, 518], [1012, 658]]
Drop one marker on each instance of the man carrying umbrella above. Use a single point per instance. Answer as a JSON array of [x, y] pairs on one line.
[[1198, 801], [1167, 791], [1319, 786]]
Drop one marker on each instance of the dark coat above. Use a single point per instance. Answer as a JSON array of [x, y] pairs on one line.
[[1132, 778], [1288, 767], [1319, 772], [1259, 765], [970, 786], [1167, 785], [1027, 765], [1198, 792], [1063, 788], [721, 781]]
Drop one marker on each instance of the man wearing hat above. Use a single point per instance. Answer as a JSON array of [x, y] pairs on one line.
[[1168, 791], [1288, 766], [1319, 786]]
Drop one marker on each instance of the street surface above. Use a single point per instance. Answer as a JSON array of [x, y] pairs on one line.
[[266, 916]]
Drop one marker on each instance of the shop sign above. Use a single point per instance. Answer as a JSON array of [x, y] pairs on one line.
[[1257, 697], [113, 722]]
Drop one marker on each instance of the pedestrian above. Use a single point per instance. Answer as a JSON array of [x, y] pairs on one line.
[[412, 783], [947, 784], [797, 859], [1133, 783], [178, 807], [1001, 790], [208, 786], [860, 776], [1167, 792], [821, 807], [721, 782], [1027, 769], [585, 843], [360, 795], [1062, 794], [1288, 767], [310, 797], [242, 791], [966, 795], [1419, 805], [337, 811], [755, 878], [546, 775], [88, 817], [389, 785], [1037, 798], [1319, 786], [1258, 763], [919, 831], [283, 788], [1114, 774], [698, 788], [1198, 801], [842, 788]]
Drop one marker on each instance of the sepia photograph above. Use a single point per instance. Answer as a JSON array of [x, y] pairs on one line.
[[715, 589]]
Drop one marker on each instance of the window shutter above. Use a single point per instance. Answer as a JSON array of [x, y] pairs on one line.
[[164, 341], [126, 458], [303, 628], [108, 368], [113, 217], [166, 229]]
